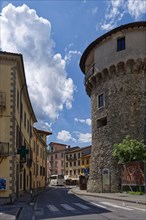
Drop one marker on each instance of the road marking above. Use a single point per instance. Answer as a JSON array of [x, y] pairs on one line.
[[82, 206], [101, 206], [67, 207], [52, 208], [144, 210], [115, 206]]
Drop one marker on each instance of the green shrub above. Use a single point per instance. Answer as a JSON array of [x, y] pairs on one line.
[[129, 150]]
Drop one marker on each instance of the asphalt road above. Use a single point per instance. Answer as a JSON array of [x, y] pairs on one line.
[[58, 203]]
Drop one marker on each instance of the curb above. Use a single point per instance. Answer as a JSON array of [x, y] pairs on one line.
[[105, 197]]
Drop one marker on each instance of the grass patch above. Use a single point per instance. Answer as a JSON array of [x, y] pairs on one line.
[[136, 193]]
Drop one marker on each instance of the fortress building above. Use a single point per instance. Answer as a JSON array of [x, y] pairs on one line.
[[115, 79]]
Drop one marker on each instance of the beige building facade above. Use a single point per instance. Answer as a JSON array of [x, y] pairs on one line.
[[18, 158]]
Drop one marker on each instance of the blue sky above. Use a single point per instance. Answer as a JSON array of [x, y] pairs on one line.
[[52, 36]]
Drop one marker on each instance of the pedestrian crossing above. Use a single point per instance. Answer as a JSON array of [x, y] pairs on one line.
[[89, 207]]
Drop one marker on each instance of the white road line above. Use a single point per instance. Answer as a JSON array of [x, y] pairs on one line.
[[67, 207], [52, 208], [115, 206], [144, 210], [82, 206], [101, 206]]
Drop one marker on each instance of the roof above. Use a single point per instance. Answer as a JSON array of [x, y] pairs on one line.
[[44, 132], [57, 144], [106, 35]]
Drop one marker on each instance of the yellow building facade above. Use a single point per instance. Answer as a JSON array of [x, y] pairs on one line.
[[77, 162], [22, 148]]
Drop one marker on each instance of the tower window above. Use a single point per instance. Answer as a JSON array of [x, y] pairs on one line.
[[101, 102], [101, 122], [121, 44]]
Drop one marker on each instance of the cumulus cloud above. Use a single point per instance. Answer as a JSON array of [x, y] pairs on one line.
[[23, 31], [85, 121], [65, 136], [118, 8], [83, 137]]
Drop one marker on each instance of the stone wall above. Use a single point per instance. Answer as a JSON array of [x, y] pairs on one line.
[[123, 85]]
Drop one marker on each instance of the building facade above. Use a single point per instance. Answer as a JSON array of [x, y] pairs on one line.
[[77, 162], [55, 159], [115, 79], [69, 161], [18, 163]]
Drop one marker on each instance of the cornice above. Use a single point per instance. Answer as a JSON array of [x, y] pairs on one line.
[[131, 66]]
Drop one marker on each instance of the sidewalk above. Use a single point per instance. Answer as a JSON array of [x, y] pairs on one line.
[[12, 212], [125, 197]]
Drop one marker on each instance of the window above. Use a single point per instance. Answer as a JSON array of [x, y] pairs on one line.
[[74, 163], [62, 155], [62, 163], [78, 162], [101, 102], [101, 122], [121, 44], [25, 119], [74, 172], [55, 156], [78, 155], [34, 147], [21, 111], [18, 99], [66, 164], [28, 126], [70, 164]]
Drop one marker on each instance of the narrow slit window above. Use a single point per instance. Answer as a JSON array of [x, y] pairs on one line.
[[121, 44], [101, 101]]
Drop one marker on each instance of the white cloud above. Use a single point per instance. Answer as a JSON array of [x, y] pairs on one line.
[[136, 8], [84, 137], [118, 8], [23, 31], [70, 54], [80, 137], [94, 10], [86, 121], [65, 136], [43, 125]]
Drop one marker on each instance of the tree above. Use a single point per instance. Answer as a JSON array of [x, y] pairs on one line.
[[129, 150]]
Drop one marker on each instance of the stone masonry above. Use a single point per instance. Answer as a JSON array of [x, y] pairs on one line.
[[123, 85]]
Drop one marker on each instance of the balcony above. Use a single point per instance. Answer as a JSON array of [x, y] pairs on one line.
[[71, 158], [89, 73]]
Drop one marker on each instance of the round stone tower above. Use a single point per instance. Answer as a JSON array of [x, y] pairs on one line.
[[115, 78]]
